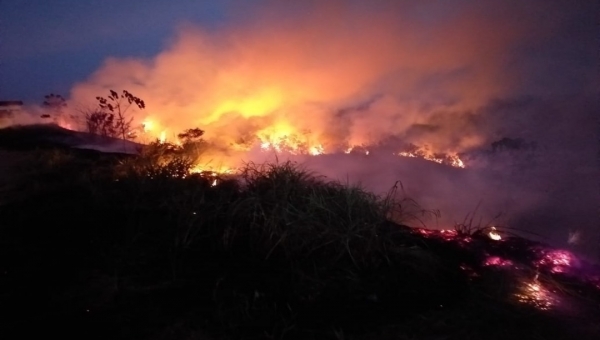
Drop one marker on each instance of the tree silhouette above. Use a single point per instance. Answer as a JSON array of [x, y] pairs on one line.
[[54, 104], [191, 135], [110, 118]]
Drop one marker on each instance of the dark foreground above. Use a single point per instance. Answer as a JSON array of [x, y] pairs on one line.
[[120, 247]]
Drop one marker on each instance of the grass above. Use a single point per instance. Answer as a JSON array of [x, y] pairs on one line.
[[124, 247]]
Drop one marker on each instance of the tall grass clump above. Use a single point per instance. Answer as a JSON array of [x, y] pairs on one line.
[[320, 251]]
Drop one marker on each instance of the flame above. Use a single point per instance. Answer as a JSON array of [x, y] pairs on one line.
[[282, 137], [493, 234], [147, 125], [263, 102], [267, 87], [451, 158], [163, 137], [316, 150], [212, 170]]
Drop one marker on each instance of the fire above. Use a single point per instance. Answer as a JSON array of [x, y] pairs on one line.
[[147, 125], [282, 137], [559, 261], [316, 150], [251, 86], [150, 132], [451, 159], [493, 234], [212, 171], [497, 261], [357, 149], [261, 103], [533, 293]]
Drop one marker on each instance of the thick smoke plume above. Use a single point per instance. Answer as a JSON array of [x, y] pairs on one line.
[[332, 75], [342, 74]]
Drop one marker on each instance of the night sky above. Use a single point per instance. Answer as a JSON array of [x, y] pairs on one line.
[[47, 46]]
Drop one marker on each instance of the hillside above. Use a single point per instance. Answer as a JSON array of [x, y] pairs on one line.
[[114, 246]]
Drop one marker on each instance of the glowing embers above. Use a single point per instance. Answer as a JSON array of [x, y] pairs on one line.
[[493, 234], [211, 173], [282, 137], [535, 275], [496, 261], [446, 235], [535, 294], [451, 159], [558, 261], [357, 149]]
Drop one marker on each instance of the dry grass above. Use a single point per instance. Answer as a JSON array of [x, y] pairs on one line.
[[138, 248]]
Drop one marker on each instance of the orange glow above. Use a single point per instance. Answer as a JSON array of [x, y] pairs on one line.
[[212, 171], [263, 102], [320, 85], [534, 294], [147, 125], [316, 150], [451, 158]]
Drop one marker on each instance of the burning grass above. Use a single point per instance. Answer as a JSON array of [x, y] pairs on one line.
[[146, 247]]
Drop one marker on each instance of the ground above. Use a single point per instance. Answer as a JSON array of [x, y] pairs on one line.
[[115, 246]]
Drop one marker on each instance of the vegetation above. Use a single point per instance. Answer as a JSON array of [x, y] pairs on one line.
[[135, 247], [54, 105], [110, 117]]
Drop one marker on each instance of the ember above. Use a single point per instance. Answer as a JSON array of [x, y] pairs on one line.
[[536, 295], [493, 234], [559, 261], [497, 261], [451, 159]]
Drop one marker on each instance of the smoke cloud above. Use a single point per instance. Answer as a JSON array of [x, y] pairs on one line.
[[368, 72], [453, 76]]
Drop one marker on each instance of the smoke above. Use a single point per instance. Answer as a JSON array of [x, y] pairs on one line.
[[453, 76], [30, 115], [388, 65]]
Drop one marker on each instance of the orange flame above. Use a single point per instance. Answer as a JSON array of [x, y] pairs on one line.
[[347, 84]]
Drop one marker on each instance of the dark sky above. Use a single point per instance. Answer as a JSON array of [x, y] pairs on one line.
[[46, 46]]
